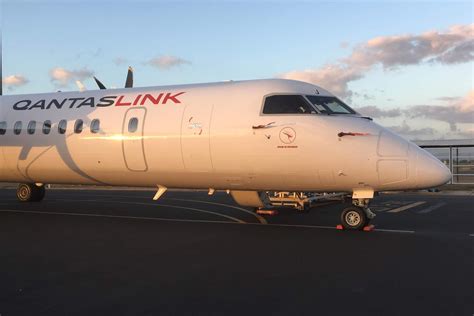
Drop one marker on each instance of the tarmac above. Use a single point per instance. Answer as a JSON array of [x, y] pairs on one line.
[[101, 252]]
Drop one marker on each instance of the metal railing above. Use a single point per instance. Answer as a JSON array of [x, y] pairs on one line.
[[459, 160]]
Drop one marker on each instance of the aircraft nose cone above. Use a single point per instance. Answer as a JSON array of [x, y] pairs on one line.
[[430, 171]]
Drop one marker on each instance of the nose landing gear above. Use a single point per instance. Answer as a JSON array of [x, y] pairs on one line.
[[357, 216], [30, 192]]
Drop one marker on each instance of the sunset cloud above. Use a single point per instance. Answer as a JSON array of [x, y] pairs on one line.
[[458, 111], [14, 81], [466, 104], [453, 46], [62, 77], [455, 111], [334, 78]]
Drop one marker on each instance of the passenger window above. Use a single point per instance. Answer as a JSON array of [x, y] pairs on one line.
[[46, 127], [17, 128], [133, 125], [287, 104], [31, 127], [78, 126], [3, 128], [95, 126], [62, 126]]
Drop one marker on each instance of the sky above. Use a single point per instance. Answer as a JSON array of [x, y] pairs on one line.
[[407, 64]]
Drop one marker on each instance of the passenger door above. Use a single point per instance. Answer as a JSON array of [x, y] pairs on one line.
[[132, 141]]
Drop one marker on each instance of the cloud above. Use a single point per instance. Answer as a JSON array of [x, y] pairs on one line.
[[451, 46], [167, 61], [458, 111], [334, 78], [447, 99], [376, 112], [14, 81], [412, 133], [365, 96], [462, 53], [62, 77], [442, 113], [455, 45], [466, 104], [455, 111], [465, 135], [119, 61]]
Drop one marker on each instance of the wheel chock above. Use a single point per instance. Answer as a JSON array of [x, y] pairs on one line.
[[267, 212], [367, 228]]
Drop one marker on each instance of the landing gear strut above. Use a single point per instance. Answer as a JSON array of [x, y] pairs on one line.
[[30, 192], [357, 216]]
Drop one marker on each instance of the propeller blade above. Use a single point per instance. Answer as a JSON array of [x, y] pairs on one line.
[[100, 84], [129, 81]]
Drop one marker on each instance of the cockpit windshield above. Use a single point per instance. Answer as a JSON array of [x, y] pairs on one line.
[[329, 105]]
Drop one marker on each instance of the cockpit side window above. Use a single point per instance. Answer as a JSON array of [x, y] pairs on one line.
[[330, 105], [287, 104]]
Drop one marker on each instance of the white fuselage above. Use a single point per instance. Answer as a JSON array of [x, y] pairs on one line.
[[205, 136]]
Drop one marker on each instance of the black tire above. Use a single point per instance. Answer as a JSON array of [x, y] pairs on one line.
[[40, 193], [354, 218], [27, 192]]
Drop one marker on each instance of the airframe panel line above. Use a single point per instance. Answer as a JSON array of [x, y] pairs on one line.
[[432, 208], [156, 204], [194, 220], [142, 132], [406, 207]]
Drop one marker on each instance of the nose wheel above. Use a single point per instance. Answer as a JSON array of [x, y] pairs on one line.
[[354, 218], [29, 192], [357, 216]]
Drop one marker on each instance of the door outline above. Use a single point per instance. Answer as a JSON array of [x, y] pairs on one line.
[[200, 126], [141, 130]]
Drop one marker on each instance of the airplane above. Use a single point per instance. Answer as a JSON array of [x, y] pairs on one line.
[[245, 137]]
